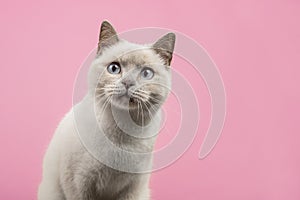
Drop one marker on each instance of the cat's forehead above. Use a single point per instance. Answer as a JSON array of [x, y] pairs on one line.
[[128, 54], [137, 58]]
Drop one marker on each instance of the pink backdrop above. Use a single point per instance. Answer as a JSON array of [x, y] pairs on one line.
[[256, 45]]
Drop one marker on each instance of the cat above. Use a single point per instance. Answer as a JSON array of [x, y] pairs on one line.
[[127, 84]]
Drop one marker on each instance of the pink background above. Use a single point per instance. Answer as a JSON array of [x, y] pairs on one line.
[[256, 45]]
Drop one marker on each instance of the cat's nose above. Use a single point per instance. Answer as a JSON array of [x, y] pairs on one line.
[[128, 83]]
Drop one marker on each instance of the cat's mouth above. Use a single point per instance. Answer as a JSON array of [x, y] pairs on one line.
[[125, 101], [132, 100], [128, 97]]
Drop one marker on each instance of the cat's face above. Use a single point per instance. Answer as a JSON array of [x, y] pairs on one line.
[[131, 76]]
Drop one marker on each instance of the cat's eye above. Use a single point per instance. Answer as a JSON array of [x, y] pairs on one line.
[[114, 68], [147, 73]]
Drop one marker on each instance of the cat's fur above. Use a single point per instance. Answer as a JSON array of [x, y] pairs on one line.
[[70, 172]]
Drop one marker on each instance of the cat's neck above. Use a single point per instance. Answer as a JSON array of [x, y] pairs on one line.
[[128, 124]]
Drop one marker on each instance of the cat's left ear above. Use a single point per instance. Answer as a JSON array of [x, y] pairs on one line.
[[107, 37], [165, 47]]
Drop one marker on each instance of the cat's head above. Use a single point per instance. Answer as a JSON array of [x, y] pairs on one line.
[[129, 75]]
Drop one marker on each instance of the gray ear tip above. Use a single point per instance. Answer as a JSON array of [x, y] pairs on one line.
[[105, 23], [172, 36]]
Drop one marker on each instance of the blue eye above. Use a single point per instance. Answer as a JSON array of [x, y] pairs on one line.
[[114, 68], [147, 73]]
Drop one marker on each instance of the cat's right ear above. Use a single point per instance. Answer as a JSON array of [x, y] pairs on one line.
[[107, 37]]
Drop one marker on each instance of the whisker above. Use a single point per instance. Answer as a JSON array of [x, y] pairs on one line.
[[104, 106], [141, 96], [137, 97], [100, 95], [154, 107], [149, 111], [138, 111], [143, 91], [142, 118], [154, 99]]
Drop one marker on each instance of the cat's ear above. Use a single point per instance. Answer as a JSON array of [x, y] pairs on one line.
[[107, 37], [165, 47]]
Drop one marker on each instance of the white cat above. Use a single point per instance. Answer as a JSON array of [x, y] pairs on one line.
[[126, 81]]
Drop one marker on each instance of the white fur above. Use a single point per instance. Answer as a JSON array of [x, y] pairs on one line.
[[68, 166]]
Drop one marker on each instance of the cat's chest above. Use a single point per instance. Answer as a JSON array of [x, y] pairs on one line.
[[93, 178], [106, 179]]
